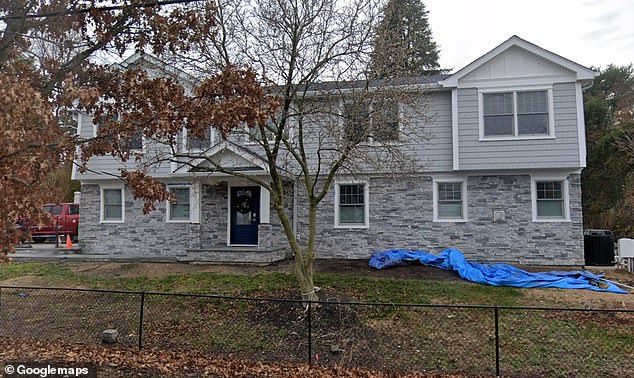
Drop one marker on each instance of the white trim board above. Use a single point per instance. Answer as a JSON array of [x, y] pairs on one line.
[[581, 72], [366, 202], [455, 137], [581, 126], [102, 202], [447, 178], [566, 196]]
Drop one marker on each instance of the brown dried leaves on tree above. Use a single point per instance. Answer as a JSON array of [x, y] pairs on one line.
[[31, 145], [131, 103], [45, 47]]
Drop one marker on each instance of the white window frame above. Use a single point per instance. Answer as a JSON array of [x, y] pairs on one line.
[[185, 142], [564, 179], [141, 150], [194, 203], [102, 203], [371, 141], [289, 130], [366, 200], [514, 90], [450, 180]]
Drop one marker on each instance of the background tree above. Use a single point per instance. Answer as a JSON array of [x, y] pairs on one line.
[[315, 126], [404, 45], [608, 181], [47, 50]]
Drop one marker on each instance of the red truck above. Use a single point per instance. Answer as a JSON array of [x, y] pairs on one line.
[[64, 220]]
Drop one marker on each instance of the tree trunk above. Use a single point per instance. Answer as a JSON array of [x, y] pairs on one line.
[[303, 257]]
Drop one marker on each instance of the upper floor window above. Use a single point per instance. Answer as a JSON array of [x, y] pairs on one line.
[[517, 114], [372, 122], [196, 143], [136, 141], [254, 134]]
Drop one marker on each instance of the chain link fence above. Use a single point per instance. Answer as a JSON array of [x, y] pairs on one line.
[[482, 340]]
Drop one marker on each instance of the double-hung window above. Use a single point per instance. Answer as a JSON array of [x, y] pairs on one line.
[[199, 143], [135, 142], [550, 200], [351, 205], [376, 122], [112, 205], [449, 201], [517, 114], [179, 208]]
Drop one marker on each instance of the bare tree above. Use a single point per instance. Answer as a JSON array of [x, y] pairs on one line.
[[330, 118]]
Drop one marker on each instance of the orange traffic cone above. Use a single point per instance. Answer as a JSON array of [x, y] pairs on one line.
[[69, 243]]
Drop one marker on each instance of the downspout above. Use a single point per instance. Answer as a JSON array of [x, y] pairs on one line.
[[295, 190]]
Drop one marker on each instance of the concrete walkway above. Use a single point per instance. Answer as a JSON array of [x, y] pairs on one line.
[[48, 252]]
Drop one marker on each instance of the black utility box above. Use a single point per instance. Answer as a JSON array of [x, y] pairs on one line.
[[598, 247]]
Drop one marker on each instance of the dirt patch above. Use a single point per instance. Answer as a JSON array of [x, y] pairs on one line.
[[338, 266], [144, 269]]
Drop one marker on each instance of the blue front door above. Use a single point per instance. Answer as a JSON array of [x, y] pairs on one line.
[[245, 215]]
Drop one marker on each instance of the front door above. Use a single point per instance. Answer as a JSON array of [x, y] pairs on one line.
[[245, 215]]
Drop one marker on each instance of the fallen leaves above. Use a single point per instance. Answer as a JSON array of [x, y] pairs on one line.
[[153, 362]]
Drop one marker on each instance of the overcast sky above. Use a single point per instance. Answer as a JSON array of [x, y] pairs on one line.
[[589, 32]]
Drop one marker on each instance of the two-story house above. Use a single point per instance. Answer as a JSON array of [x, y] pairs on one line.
[[503, 155]]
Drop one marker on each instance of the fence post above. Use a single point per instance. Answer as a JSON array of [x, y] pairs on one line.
[[310, 334], [141, 320], [497, 342]]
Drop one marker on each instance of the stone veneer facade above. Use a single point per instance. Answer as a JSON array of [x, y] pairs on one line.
[[150, 235], [401, 216]]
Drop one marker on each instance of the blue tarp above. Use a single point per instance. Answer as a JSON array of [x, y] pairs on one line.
[[493, 274]]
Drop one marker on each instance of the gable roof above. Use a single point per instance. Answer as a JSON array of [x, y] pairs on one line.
[[581, 72], [254, 161], [140, 56]]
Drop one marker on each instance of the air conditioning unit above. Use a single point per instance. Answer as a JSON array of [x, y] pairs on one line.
[[625, 254]]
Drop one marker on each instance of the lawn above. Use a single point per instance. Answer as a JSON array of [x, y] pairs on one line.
[[387, 338]]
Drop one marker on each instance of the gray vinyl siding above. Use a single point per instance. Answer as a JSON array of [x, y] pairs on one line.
[[561, 152], [103, 167], [425, 134], [86, 127], [437, 150]]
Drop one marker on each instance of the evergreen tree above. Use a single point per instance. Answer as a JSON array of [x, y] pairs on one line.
[[404, 45], [608, 181]]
